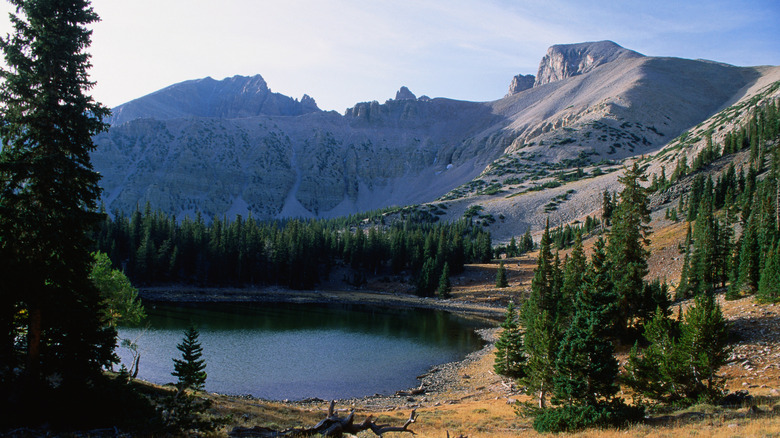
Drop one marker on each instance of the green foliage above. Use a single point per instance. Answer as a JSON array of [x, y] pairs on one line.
[[296, 254], [445, 287], [571, 418], [510, 354], [185, 410], [683, 357], [49, 203], [122, 305], [190, 368], [540, 315], [501, 280], [627, 250], [769, 285]]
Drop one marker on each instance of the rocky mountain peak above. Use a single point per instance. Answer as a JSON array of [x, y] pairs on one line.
[[566, 60], [520, 83], [233, 97], [405, 94]]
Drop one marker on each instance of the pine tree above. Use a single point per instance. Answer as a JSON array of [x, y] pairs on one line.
[[510, 355], [49, 193], [627, 248], [574, 272], [586, 369], [190, 368], [445, 287], [749, 258], [540, 319], [512, 250], [769, 284], [185, 411], [527, 242], [501, 280], [703, 343], [682, 360]]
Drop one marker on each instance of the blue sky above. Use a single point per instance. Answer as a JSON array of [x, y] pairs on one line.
[[342, 51]]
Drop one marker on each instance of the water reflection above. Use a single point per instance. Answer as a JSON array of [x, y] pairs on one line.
[[295, 351]]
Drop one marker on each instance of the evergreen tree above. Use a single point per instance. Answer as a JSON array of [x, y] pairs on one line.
[[185, 411], [445, 287], [512, 250], [190, 368], [540, 319], [528, 241], [769, 285], [501, 280], [427, 279], [627, 249], [574, 273], [586, 369], [683, 358], [749, 258], [703, 343], [49, 193], [510, 355], [606, 208]]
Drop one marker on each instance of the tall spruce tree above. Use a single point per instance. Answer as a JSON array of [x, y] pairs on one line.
[[540, 318], [189, 370], [501, 280], [510, 355], [586, 369], [627, 249], [445, 286], [49, 192], [769, 284]]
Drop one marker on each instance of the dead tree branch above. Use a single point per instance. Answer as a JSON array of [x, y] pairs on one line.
[[332, 425]]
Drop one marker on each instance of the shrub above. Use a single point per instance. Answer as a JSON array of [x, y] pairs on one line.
[[577, 417]]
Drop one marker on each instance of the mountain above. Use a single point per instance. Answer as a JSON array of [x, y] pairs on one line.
[[232, 98], [233, 147]]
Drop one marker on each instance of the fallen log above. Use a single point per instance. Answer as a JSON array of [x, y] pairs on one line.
[[332, 425]]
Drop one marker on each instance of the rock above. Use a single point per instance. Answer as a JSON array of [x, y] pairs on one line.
[[520, 83], [567, 60], [405, 94]]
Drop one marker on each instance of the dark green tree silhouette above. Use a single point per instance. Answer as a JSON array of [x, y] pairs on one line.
[[501, 280], [185, 410], [510, 354], [48, 196], [540, 315], [445, 286], [683, 357], [190, 368], [627, 249]]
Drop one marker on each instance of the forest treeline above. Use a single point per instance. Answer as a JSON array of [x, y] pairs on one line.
[[153, 248], [733, 236]]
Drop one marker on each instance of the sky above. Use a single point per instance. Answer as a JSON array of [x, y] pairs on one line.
[[341, 52]]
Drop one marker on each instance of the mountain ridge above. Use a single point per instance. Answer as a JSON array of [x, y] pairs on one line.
[[245, 155]]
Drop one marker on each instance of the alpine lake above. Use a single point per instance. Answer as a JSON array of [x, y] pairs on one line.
[[285, 351]]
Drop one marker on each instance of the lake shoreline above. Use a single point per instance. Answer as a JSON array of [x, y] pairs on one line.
[[191, 294], [434, 383]]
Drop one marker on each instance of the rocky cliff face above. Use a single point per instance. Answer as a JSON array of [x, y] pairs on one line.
[[520, 83], [234, 147], [565, 61], [235, 97]]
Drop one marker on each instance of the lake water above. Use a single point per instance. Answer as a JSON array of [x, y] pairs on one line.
[[296, 351]]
